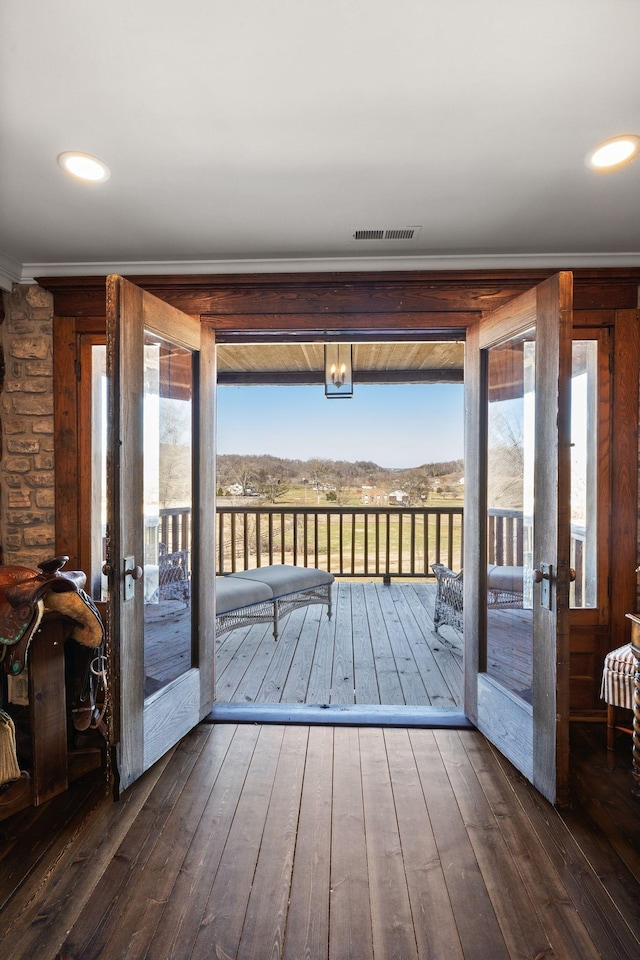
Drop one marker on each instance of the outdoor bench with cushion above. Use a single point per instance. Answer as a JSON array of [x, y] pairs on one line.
[[268, 594], [504, 589]]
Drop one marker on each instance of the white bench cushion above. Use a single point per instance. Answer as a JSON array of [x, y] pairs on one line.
[[233, 593], [284, 579], [508, 579]]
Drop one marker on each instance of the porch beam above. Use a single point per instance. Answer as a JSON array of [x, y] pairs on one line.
[[316, 377]]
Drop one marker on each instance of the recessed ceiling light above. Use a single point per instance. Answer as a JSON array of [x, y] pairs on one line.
[[83, 166], [614, 152]]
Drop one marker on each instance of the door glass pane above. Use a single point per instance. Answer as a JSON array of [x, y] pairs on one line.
[[584, 468], [168, 500], [510, 464], [97, 585]]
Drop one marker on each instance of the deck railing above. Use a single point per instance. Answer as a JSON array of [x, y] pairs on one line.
[[506, 534], [348, 541], [174, 529], [362, 541]]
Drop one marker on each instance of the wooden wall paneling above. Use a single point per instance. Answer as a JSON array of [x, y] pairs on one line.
[[593, 318], [65, 418], [352, 293], [590, 626], [624, 510], [589, 645]]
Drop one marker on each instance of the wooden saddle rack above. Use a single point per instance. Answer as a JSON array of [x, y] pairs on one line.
[[25, 595]]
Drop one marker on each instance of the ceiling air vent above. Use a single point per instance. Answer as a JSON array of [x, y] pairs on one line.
[[395, 233]]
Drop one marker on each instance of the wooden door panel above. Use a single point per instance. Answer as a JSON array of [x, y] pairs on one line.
[[533, 735], [144, 333]]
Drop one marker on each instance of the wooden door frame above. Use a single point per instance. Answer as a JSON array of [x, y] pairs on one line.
[[397, 304]]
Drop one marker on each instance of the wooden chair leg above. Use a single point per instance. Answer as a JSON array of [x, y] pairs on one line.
[[611, 735]]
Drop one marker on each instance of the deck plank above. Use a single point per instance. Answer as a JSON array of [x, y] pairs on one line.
[[365, 678], [247, 666], [321, 672], [297, 683], [413, 688], [275, 678], [416, 627], [379, 648], [342, 680], [389, 684]]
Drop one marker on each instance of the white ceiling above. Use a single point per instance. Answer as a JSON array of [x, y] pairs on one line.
[[245, 135]]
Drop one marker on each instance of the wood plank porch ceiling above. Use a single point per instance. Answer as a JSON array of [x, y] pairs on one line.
[[382, 362]]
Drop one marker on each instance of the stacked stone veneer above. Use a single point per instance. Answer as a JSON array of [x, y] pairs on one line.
[[27, 485]]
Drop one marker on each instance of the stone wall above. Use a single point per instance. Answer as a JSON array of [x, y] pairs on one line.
[[27, 485]]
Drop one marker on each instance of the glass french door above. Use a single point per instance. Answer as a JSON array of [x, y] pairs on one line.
[[517, 531], [160, 523]]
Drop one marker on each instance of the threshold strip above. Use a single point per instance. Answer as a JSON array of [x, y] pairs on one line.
[[337, 714]]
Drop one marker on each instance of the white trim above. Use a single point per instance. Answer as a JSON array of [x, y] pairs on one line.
[[455, 262], [10, 272]]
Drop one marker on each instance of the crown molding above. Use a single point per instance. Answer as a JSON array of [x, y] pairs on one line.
[[10, 272], [457, 262]]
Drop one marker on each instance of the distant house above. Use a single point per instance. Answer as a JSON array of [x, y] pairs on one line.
[[373, 495], [397, 496]]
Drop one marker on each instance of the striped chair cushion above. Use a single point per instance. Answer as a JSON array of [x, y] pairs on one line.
[[618, 677]]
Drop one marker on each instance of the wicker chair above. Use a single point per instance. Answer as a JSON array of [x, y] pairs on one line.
[[504, 589], [448, 606], [173, 575]]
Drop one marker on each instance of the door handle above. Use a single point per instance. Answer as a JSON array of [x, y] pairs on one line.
[[132, 572], [543, 576]]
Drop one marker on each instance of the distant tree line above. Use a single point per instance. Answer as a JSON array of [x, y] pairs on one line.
[[271, 477]]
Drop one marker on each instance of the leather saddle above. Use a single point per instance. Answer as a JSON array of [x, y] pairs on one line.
[[26, 594]]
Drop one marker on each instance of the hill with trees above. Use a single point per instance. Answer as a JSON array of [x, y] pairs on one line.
[[277, 479]]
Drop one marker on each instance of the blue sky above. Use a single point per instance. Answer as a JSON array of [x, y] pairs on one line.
[[398, 426]]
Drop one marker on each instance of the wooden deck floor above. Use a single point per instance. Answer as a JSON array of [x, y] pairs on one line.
[[328, 843], [379, 648]]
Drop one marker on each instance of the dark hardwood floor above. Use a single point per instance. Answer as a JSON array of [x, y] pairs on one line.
[[317, 842]]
